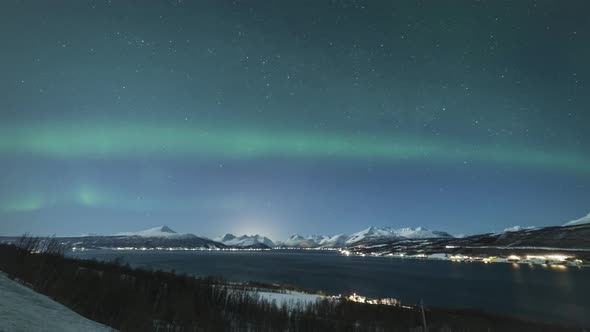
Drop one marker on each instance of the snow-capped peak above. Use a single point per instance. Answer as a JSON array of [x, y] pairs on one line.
[[371, 233], [334, 241], [296, 237], [518, 228], [420, 233], [390, 233], [225, 237], [583, 220], [244, 240], [299, 241], [162, 231]]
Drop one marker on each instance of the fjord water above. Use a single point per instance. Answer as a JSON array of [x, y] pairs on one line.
[[532, 292]]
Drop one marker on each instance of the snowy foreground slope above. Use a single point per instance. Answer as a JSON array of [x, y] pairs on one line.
[[22, 309], [581, 221], [290, 298]]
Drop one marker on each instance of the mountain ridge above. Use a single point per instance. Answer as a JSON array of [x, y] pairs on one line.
[[166, 237], [245, 241], [581, 221], [370, 233], [160, 231]]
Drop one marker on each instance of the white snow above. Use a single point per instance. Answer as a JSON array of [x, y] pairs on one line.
[[244, 240], [334, 241], [298, 241], [315, 241], [22, 309], [388, 232], [162, 231], [581, 221], [290, 298], [438, 256], [372, 233], [518, 228], [420, 233], [225, 237]]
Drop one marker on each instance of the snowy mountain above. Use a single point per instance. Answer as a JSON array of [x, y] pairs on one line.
[[162, 231], [421, 233], [158, 237], [381, 233], [244, 240], [581, 221], [335, 241], [372, 233], [518, 228], [225, 238], [571, 240], [298, 241]]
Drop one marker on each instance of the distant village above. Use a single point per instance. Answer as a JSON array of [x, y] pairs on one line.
[[551, 260], [354, 297]]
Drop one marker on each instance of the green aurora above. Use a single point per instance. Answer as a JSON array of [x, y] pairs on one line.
[[193, 142]]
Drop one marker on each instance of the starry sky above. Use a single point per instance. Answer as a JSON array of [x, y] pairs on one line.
[[282, 117]]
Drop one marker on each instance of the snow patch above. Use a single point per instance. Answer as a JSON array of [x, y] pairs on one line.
[[581, 221], [161, 232], [334, 241], [290, 298], [401, 233], [244, 240], [298, 241], [371, 233], [22, 309], [518, 228]]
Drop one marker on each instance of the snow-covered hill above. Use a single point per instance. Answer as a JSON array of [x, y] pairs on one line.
[[372, 233], [299, 241], [380, 233], [158, 237], [518, 228], [289, 298], [161, 232], [421, 233], [581, 221], [22, 309], [244, 240], [335, 241], [225, 237]]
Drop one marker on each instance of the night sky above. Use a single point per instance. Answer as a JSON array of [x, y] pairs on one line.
[[281, 117]]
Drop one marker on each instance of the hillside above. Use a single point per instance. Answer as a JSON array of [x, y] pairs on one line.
[[570, 240], [22, 309]]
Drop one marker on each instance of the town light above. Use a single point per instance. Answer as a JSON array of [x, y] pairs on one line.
[[560, 258]]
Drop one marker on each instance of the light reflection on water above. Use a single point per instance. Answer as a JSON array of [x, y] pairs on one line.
[[551, 293]]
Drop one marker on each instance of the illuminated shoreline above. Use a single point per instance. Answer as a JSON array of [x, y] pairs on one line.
[[550, 260]]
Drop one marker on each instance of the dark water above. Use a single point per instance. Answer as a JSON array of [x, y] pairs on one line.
[[538, 293]]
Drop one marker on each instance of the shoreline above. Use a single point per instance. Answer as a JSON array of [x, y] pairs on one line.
[[65, 279]]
